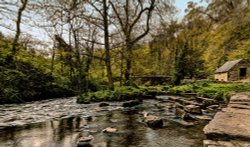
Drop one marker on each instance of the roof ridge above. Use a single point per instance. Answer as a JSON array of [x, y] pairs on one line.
[[227, 66]]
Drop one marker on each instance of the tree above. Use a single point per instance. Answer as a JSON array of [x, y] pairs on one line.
[[18, 22], [129, 15], [107, 45]]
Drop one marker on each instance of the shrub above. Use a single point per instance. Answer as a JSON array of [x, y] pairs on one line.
[[119, 94]]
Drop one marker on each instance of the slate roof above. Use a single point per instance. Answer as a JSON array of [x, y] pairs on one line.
[[227, 66]]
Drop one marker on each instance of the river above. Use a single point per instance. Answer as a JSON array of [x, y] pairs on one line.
[[60, 122]]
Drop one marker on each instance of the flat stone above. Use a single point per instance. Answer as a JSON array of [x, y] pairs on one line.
[[232, 122], [84, 144], [109, 130], [241, 97], [183, 114], [193, 109], [86, 139], [203, 117], [213, 106], [239, 106], [185, 123], [103, 104], [182, 100], [178, 105], [153, 121], [240, 103], [201, 99], [131, 103], [229, 125], [232, 143]]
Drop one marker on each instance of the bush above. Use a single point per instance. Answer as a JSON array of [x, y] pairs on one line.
[[23, 82], [120, 94]]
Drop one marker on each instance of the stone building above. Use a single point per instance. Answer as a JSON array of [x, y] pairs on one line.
[[233, 71]]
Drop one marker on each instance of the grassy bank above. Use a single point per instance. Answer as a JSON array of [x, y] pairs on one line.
[[218, 91], [121, 93]]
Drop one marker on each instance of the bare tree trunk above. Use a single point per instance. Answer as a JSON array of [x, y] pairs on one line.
[[107, 46], [18, 30], [70, 52], [52, 60], [128, 63], [121, 67], [79, 63]]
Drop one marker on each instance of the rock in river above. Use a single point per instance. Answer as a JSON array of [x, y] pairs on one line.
[[131, 103], [184, 115], [103, 104], [153, 121], [84, 144], [84, 141], [109, 130], [193, 109]]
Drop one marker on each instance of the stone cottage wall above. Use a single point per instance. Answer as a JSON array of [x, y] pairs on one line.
[[234, 73], [221, 76]]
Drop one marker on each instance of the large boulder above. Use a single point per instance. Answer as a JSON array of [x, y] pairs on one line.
[[153, 121], [131, 103], [193, 109]]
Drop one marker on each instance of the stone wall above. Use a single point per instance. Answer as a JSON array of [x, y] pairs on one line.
[[221, 76], [234, 73]]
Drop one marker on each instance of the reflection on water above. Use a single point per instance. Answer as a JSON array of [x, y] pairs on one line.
[[64, 132], [48, 134]]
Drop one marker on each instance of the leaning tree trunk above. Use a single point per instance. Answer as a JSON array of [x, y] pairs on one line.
[[18, 30]]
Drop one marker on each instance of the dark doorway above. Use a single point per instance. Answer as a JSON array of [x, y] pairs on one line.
[[243, 72]]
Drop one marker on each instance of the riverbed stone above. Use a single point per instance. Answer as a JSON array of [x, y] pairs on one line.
[[203, 117], [185, 123], [233, 143], [84, 144], [109, 130], [86, 139], [232, 123], [183, 114], [178, 105], [193, 109], [182, 100], [213, 107], [103, 104], [208, 102], [131, 103], [153, 121]]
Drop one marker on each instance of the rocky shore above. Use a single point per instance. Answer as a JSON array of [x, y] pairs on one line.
[[231, 126]]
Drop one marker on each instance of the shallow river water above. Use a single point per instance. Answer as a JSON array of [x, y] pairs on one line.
[[60, 122]]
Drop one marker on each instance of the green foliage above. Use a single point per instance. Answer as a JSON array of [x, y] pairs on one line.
[[26, 79], [206, 38], [120, 94], [218, 91]]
